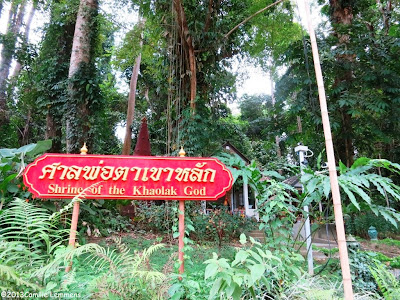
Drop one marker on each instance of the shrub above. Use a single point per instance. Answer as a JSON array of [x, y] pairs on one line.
[[358, 224]]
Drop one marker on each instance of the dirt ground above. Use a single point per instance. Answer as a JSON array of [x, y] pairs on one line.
[[390, 251]]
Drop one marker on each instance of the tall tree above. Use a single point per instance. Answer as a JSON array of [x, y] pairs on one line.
[[9, 40], [126, 148], [25, 36], [361, 73], [341, 15], [81, 65], [53, 67]]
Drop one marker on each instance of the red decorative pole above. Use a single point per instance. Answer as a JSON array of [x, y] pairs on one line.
[[75, 216], [181, 219], [143, 147]]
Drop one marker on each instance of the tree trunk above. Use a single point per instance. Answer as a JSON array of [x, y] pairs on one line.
[[342, 16], [18, 65], [77, 123], [126, 149], [56, 46], [53, 131], [15, 18], [278, 148], [191, 56]]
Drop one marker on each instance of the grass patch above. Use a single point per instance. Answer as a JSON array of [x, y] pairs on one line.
[[389, 242]]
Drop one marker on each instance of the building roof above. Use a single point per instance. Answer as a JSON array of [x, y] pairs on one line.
[[294, 181], [229, 147]]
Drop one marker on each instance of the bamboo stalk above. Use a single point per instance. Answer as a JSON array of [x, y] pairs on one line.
[[337, 205]]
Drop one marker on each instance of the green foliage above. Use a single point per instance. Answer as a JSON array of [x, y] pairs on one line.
[[252, 273], [393, 262], [390, 242], [361, 78], [158, 218], [327, 252], [361, 275], [12, 164], [363, 188], [220, 226], [30, 237], [388, 284], [357, 223], [127, 276], [32, 230], [100, 217]]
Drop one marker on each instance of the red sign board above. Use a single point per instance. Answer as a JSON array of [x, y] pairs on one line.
[[127, 177]]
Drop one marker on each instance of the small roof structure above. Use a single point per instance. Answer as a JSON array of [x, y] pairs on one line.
[[232, 149], [294, 181]]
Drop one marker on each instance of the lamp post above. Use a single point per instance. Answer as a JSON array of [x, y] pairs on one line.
[[302, 150]]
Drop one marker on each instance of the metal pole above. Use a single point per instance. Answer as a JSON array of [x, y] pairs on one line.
[[307, 226], [75, 216], [337, 205], [181, 221]]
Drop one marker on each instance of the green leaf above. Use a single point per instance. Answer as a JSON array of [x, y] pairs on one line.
[[211, 270], [243, 239], [12, 188], [311, 185], [362, 161], [327, 186], [350, 195], [240, 257], [5, 182], [237, 293], [342, 168], [215, 290], [25, 149], [388, 216], [7, 152], [40, 147]]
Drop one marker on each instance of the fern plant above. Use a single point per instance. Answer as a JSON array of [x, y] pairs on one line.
[[121, 274], [32, 231], [387, 283], [29, 237]]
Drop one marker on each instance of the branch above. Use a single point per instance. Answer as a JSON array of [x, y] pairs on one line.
[[252, 16]]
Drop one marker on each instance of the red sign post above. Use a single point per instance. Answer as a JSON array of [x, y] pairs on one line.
[[128, 177]]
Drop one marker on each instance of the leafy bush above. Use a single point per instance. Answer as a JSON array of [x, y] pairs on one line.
[[389, 286], [363, 189], [29, 238], [362, 278], [220, 226], [358, 224], [12, 164], [159, 218], [99, 218], [254, 272]]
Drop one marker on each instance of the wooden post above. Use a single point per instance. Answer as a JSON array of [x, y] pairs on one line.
[[337, 205], [181, 219], [75, 216], [246, 199]]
